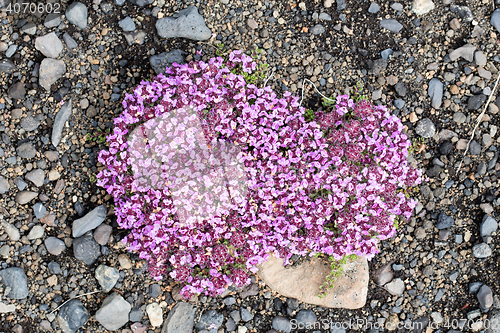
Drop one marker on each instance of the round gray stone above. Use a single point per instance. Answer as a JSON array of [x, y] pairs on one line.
[[86, 249]]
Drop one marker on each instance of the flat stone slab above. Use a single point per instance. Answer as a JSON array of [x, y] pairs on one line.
[[303, 282]]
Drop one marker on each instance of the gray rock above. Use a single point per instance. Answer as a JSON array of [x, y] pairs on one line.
[[495, 19], [76, 13], [246, 315], [24, 197], [382, 275], [481, 168], [481, 251], [52, 20], [317, 29], [385, 54], [488, 226], [54, 268], [119, 2], [70, 42], [59, 121], [325, 17], [282, 324], [163, 60], [445, 221], [180, 319], [4, 185], [464, 12], [435, 92], [29, 123], [306, 318], [475, 148], [36, 176], [476, 101], [50, 71], [459, 117], [235, 315], [39, 210], [396, 287], [341, 5], [17, 90], [211, 320], [7, 66], [86, 249], [374, 8], [136, 314], [391, 24], [480, 58], [135, 37], [399, 103], [49, 45], [29, 28], [425, 128], [11, 51], [397, 6], [466, 52], [102, 233], [72, 316], [485, 297], [141, 3], [474, 287], [54, 245], [494, 321], [230, 325], [434, 171], [378, 66], [11, 231], [127, 24], [26, 150], [188, 24], [15, 283], [107, 277], [114, 312], [90, 221], [154, 290], [36, 232]]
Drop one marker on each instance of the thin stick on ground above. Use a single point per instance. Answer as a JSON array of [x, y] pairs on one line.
[[478, 121], [269, 78], [93, 292], [315, 89]]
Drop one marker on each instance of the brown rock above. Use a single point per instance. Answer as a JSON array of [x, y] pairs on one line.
[[49, 219], [125, 262], [454, 90], [102, 233], [392, 80], [250, 290], [303, 282]]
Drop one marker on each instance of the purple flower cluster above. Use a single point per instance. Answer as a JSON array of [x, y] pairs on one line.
[[332, 186]]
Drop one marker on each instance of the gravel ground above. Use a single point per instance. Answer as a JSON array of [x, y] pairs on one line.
[[443, 266]]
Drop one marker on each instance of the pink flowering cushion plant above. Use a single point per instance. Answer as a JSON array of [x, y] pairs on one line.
[[333, 186]]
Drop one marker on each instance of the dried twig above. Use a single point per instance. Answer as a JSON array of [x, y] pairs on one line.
[[269, 78], [93, 292], [478, 121], [315, 89]]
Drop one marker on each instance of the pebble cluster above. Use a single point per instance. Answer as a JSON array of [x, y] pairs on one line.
[[62, 76]]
